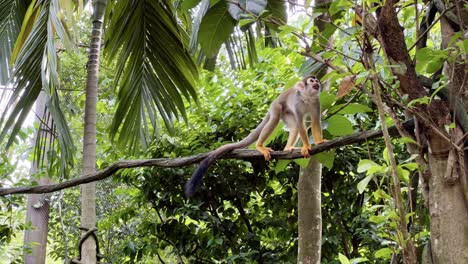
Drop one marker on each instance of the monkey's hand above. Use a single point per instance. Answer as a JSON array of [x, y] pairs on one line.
[[265, 152], [305, 151]]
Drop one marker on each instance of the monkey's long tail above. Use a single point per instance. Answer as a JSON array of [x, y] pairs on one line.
[[197, 176]]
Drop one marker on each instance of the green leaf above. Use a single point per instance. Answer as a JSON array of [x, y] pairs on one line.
[[434, 65], [343, 259], [430, 60], [384, 253], [381, 194], [154, 72], [278, 9], [302, 162], [403, 174], [366, 164], [385, 155], [378, 219], [26, 28], [326, 158], [189, 4], [407, 140], [353, 108], [281, 165], [339, 125], [326, 100], [339, 5], [421, 100], [410, 166], [361, 186], [216, 27]]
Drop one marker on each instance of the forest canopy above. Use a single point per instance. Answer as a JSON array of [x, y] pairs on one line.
[[128, 96]]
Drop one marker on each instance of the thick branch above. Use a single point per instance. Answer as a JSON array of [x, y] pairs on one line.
[[245, 154]]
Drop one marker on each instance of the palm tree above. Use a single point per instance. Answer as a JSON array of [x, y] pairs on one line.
[[88, 191], [156, 73]]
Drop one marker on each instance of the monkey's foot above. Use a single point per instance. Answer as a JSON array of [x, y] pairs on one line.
[[321, 141], [305, 151], [265, 152], [290, 148]]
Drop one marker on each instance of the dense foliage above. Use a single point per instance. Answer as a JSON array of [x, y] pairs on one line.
[[245, 211]]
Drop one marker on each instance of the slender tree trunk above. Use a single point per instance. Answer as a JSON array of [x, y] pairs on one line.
[[38, 205], [310, 183], [448, 206], [309, 212], [88, 191]]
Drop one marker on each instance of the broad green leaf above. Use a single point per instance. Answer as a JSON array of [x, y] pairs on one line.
[[343, 259], [326, 100], [361, 186], [434, 65], [353, 108], [430, 60], [326, 158], [302, 162], [281, 165], [339, 125], [278, 9], [216, 27], [410, 166], [286, 30], [378, 219], [189, 4], [407, 140], [339, 5], [365, 165], [384, 253], [381, 194], [403, 174]]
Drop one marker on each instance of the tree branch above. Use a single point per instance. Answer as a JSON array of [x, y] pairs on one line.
[[244, 154]]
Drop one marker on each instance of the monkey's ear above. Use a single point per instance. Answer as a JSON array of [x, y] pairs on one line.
[[300, 85]]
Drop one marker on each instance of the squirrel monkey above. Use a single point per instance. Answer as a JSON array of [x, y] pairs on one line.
[[292, 106]]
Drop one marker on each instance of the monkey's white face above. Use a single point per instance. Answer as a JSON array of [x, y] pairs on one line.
[[312, 86], [313, 82]]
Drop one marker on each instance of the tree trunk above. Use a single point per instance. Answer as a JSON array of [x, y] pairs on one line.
[[449, 218], [88, 191], [310, 182], [448, 206], [38, 205], [309, 213]]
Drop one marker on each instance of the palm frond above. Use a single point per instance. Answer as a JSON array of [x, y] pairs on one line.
[[11, 15], [154, 68], [36, 70]]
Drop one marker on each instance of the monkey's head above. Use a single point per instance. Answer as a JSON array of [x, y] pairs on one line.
[[310, 85]]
